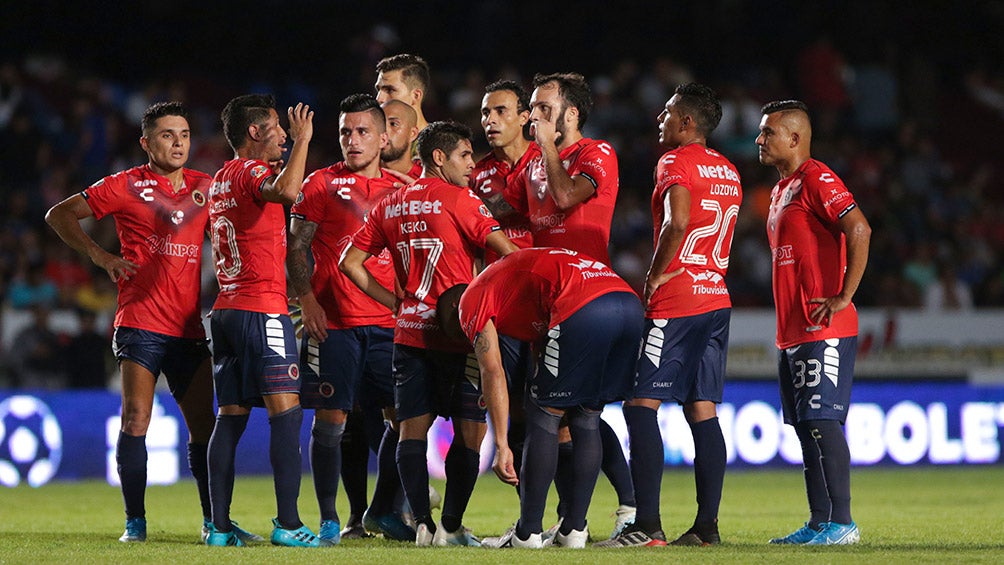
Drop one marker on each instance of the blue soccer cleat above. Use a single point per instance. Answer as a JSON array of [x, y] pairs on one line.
[[300, 537], [216, 538], [242, 534], [392, 526], [800, 536], [331, 531], [135, 530], [836, 534], [462, 536]]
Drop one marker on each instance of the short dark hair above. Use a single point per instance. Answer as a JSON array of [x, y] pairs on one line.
[[702, 102], [440, 135], [413, 69], [522, 98], [784, 105], [573, 89], [364, 103], [158, 111], [243, 111]]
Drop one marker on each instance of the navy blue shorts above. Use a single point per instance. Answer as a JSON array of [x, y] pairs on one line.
[[517, 361], [177, 357], [254, 355], [349, 364], [683, 359], [437, 382], [815, 379], [589, 359]]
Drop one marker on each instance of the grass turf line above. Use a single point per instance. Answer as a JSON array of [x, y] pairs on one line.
[[918, 515]]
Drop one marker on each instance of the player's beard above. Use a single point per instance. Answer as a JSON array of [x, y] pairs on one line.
[[391, 153], [559, 127]]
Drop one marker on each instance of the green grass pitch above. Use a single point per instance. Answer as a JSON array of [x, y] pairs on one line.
[[915, 515]]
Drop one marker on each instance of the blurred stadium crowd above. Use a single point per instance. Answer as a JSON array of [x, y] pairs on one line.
[[916, 141]]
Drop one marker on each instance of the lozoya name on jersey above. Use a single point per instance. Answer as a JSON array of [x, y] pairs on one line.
[[413, 208]]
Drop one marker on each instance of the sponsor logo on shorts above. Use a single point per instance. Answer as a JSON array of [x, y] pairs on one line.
[[294, 371]]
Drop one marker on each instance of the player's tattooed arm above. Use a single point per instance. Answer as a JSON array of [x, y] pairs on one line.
[[301, 235], [315, 320], [498, 206]]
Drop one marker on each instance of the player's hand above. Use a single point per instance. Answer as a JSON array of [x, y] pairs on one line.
[[118, 268], [827, 308], [315, 321], [544, 130], [402, 178], [301, 122], [276, 165], [503, 466], [652, 284]]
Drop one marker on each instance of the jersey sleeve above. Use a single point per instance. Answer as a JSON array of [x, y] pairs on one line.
[[670, 171], [827, 196], [105, 196], [254, 176], [310, 203], [472, 318], [597, 163], [474, 220]]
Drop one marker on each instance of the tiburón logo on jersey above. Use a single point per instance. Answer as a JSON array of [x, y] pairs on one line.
[[707, 282]]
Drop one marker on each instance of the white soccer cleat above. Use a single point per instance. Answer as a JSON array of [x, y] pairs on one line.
[[510, 539], [625, 517], [423, 537], [435, 499], [575, 539]]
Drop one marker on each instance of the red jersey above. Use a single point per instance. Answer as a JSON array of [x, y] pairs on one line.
[[337, 200], [491, 176], [809, 252], [531, 290], [715, 195], [433, 230], [249, 240], [584, 227], [161, 231], [416, 169]]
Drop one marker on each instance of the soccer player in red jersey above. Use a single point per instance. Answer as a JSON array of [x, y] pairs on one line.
[[254, 346], [402, 130], [404, 77], [694, 208], [819, 245], [505, 113], [348, 337], [432, 228], [569, 191], [161, 216], [585, 323]]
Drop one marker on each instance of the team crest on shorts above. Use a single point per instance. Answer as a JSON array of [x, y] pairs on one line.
[[198, 198], [294, 371], [327, 390], [481, 403]]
